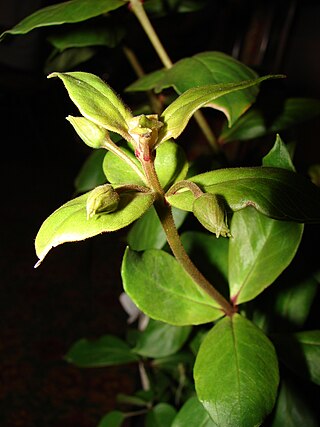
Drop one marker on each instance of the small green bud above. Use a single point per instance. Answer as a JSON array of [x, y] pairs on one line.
[[144, 131], [103, 199], [90, 133], [210, 212]]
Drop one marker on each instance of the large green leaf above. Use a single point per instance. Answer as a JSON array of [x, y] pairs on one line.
[[91, 173], [112, 419], [177, 115], [96, 101], [160, 287], [147, 232], [67, 12], [193, 414], [236, 373], [69, 223], [105, 351], [160, 415], [254, 123], [203, 69], [160, 339], [68, 60], [86, 35], [259, 250], [291, 409], [275, 192], [301, 353]]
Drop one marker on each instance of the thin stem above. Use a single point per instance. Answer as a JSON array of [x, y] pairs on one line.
[[166, 218], [111, 146], [142, 17]]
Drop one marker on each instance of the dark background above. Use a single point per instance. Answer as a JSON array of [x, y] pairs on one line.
[[74, 294]]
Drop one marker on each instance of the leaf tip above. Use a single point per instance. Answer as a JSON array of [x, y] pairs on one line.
[[55, 74]]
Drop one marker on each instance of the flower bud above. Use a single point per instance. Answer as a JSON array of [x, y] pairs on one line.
[[210, 212], [103, 199], [144, 129], [90, 133]]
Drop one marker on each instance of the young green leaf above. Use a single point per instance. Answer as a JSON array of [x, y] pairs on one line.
[[203, 69], [172, 298], [301, 353], [160, 415], [193, 414], [69, 223], [96, 101], [260, 249], [236, 373], [160, 339], [291, 409], [147, 232], [66, 12], [275, 192], [177, 115], [105, 351]]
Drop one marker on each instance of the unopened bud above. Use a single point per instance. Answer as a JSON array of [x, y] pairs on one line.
[[90, 133], [144, 129], [103, 199], [210, 212]]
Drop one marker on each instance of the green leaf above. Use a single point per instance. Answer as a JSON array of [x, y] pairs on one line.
[[160, 415], [203, 69], [254, 124], [105, 351], [278, 156], [177, 115], [69, 223], [160, 339], [171, 165], [91, 173], [210, 255], [113, 419], [193, 414], [68, 59], [259, 250], [160, 8], [85, 36], [236, 373], [66, 12], [96, 101], [147, 232], [172, 298], [275, 192], [301, 353], [291, 409], [116, 169], [314, 173]]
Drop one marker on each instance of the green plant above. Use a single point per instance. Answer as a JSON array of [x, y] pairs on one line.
[[227, 328]]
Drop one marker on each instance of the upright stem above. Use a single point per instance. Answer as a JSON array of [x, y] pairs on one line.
[[142, 17]]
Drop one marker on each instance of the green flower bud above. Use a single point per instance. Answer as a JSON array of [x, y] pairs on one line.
[[144, 131], [103, 199], [210, 212], [90, 133]]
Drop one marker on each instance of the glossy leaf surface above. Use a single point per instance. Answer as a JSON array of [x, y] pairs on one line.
[[66, 12], [260, 249], [203, 69], [193, 414], [253, 123], [301, 353], [160, 339], [69, 223], [147, 232], [177, 115], [275, 192], [172, 298], [236, 373], [96, 101], [105, 351]]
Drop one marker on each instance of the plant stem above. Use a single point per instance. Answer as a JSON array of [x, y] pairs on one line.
[[142, 17]]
